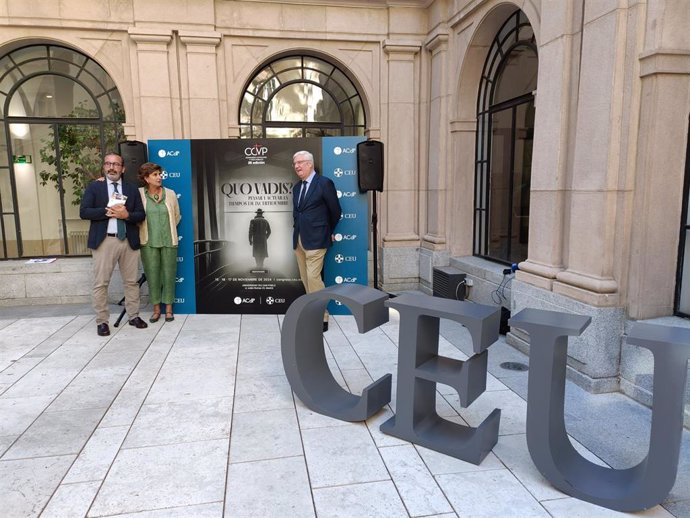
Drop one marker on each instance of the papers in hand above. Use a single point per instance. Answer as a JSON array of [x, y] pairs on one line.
[[117, 199]]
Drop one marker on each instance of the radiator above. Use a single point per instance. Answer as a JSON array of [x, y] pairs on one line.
[[77, 242]]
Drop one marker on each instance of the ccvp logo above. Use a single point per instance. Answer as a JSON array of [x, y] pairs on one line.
[[256, 151]]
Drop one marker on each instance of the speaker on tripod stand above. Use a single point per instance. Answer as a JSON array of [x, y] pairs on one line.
[[134, 154], [370, 178]]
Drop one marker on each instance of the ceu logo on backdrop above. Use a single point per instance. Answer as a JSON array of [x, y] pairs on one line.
[[349, 215], [343, 150], [164, 175], [338, 173], [271, 300], [345, 237], [179, 279], [349, 280], [340, 258], [162, 153]]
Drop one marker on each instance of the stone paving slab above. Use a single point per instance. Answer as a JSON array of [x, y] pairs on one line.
[[195, 418]]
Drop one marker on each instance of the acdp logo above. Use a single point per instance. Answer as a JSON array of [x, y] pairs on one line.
[[345, 237], [340, 150], [162, 153], [240, 300], [340, 280], [346, 194]]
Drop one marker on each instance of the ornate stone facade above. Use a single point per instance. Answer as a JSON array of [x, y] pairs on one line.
[[610, 133]]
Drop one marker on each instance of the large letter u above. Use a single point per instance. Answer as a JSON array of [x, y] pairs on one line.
[[632, 489]]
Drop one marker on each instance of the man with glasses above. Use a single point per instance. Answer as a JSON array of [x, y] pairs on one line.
[[316, 211], [114, 208]]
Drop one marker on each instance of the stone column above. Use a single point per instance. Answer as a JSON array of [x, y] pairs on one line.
[[661, 160], [435, 187], [400, 206], [199, 89], [559, 59], [599, 186], [152, 76]]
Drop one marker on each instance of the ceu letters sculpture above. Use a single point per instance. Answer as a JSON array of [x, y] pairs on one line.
[[420, 368]]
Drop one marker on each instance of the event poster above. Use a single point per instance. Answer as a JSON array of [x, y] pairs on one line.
[[239, 194]]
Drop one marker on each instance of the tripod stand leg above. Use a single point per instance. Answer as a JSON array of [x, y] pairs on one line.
[[141, 281]]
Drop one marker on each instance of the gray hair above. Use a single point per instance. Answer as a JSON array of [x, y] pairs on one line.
[[306, 154]]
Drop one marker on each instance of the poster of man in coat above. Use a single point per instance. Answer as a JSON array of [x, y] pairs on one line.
[[259, 232]]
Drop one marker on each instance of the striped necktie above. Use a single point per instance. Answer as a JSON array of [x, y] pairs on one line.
[[121, 227]]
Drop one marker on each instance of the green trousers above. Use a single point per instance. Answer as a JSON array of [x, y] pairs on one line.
[[160, 267]]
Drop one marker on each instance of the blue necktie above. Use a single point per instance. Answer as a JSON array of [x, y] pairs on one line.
[[121, 227], [302, 192]]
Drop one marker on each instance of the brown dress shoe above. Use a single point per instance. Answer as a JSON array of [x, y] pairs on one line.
[[138, 323], [103, 329]]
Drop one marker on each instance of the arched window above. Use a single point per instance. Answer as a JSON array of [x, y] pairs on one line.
[[59, 111], [301, 96], [505, 130]]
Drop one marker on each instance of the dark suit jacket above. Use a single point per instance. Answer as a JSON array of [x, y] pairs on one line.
[[93, 205], [318, 215]]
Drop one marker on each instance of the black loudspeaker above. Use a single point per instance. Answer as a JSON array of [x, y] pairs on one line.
[[134, 154], [370, 165]]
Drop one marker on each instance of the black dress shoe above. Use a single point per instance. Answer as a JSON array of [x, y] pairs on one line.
[[325, 327], [138, 323], [103, 329]]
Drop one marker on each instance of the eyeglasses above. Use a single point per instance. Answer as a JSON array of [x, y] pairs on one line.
[[296, 162], [112, 164]]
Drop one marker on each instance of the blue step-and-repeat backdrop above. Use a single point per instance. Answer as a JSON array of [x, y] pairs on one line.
[[235, 253]]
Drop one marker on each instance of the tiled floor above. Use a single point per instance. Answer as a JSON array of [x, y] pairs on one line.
[[195, 418]]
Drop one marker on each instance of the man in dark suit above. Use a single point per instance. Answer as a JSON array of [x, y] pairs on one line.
[[114, 208], [316, 211]]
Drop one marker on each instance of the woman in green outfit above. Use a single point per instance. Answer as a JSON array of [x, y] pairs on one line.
[[158, 235]]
